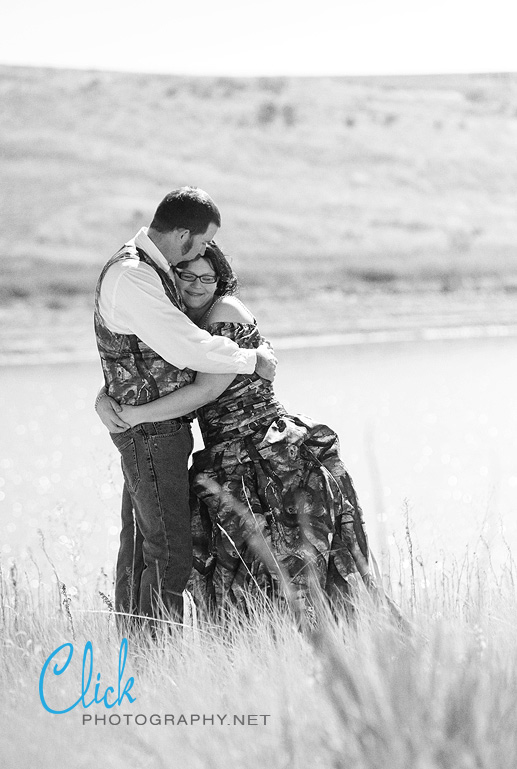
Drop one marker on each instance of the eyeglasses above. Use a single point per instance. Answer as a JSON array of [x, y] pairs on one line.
[[189, 277]]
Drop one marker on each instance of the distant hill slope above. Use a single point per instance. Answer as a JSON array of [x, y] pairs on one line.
[[320, 180]]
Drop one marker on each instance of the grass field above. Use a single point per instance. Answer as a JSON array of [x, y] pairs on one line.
[[364, 694], [346, 202], [323, 183]]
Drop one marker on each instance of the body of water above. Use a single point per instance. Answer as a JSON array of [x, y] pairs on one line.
[[428, 430]]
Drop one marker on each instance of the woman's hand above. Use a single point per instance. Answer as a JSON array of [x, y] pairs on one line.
[[130, 415], [108, 411]]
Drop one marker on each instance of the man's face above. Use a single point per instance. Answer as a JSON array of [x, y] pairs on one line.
[[195, 245]]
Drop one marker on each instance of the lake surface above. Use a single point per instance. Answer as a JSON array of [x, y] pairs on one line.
[[427, 430]]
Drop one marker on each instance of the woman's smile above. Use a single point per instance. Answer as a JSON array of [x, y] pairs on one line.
[[196, 294]]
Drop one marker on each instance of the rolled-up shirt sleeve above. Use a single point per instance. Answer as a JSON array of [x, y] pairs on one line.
[[133, 301]]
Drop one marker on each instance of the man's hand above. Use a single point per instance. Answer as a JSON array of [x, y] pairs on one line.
[[108, 411], [266, 362]]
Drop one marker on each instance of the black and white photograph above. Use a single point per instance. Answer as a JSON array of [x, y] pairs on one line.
[[258, 365]]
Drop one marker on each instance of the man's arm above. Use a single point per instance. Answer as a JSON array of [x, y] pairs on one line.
[[133, 301], [266, 362]]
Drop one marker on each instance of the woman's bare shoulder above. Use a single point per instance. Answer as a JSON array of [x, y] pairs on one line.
[[229, 309]]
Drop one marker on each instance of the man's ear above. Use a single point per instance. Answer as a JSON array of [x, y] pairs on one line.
[[183, 234]]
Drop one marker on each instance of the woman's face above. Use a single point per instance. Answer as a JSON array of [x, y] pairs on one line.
[[196, 295]]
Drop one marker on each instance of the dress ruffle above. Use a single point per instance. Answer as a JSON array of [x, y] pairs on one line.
[[273, 506]]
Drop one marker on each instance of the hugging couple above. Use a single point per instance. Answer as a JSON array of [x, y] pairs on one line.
[[267, 505]]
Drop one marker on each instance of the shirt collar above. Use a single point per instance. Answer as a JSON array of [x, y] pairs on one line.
[[143, 241]]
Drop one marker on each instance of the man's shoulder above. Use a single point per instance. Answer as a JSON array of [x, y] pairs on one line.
[[128, 264], [127, 255]]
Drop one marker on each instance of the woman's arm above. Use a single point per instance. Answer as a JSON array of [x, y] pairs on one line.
[[108, 411], [205, 388]]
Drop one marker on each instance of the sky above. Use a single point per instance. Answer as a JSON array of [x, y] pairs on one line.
[[269, 37]]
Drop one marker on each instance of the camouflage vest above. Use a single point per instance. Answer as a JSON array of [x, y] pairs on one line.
[[133, 373]]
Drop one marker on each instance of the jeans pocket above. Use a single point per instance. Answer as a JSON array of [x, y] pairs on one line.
[[170, 450], [130, 464], [168, 427]]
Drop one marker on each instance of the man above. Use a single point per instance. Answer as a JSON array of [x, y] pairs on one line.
[[149, 348]]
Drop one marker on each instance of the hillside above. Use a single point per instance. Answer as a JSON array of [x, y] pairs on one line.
[[325, 184]]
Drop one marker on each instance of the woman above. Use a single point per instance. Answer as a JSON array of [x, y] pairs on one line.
[[273, 507]]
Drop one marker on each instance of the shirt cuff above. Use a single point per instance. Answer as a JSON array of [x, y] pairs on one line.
[[249, 362]]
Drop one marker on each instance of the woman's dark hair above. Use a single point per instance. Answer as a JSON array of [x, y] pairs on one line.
[[227, 280]]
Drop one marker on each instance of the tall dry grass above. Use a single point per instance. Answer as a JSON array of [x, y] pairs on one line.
[[356, 692]]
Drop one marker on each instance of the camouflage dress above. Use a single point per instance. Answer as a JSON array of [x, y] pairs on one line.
[[273, 507]]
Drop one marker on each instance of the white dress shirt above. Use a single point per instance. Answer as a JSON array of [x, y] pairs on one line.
[[132, 301]]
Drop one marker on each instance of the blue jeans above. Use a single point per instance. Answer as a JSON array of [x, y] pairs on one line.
[[155, 555]]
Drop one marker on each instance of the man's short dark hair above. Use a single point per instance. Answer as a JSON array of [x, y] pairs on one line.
[[186, 208]]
